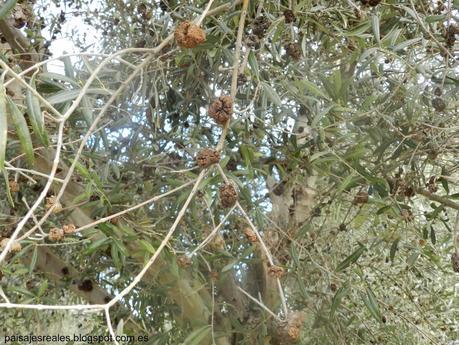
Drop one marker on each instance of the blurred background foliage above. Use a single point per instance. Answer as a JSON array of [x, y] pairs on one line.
[[343, 146]]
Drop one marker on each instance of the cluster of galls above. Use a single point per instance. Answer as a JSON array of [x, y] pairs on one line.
[[57, 234], [220, 110]]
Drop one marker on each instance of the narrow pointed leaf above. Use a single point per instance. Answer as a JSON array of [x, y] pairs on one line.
[[22, 131], [351, 259], [3, 126], [372, 304], [35, 115]]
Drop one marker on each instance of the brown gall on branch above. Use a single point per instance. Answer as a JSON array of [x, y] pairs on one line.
[[455, 261], [14, 186], [221, 109], [276, 271], [289, 331], [189, 35], [228, 195], [184, 261], [360, 198], [250, 234], [289, 16], [52, 202], [293, 50], [69, 228], [207, 157], [16, 246], [56, 234]]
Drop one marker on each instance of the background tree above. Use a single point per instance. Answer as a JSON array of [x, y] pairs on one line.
[[267, 173]]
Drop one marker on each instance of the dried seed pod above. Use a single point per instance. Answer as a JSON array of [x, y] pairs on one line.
[[360, 198], [221, 109], [15, 247], [275, 271], [14, 186], [207, 157], [56, 234], [289, 16], [455, 261], [69, 228], [184, 261], [438, 104], [250, 234], [293, 50], [228, 195], [189, 35]]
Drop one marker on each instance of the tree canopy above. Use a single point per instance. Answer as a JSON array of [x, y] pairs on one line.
[[230, 172]]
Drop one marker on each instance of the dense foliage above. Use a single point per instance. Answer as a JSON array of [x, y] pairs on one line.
[[342, 152]]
